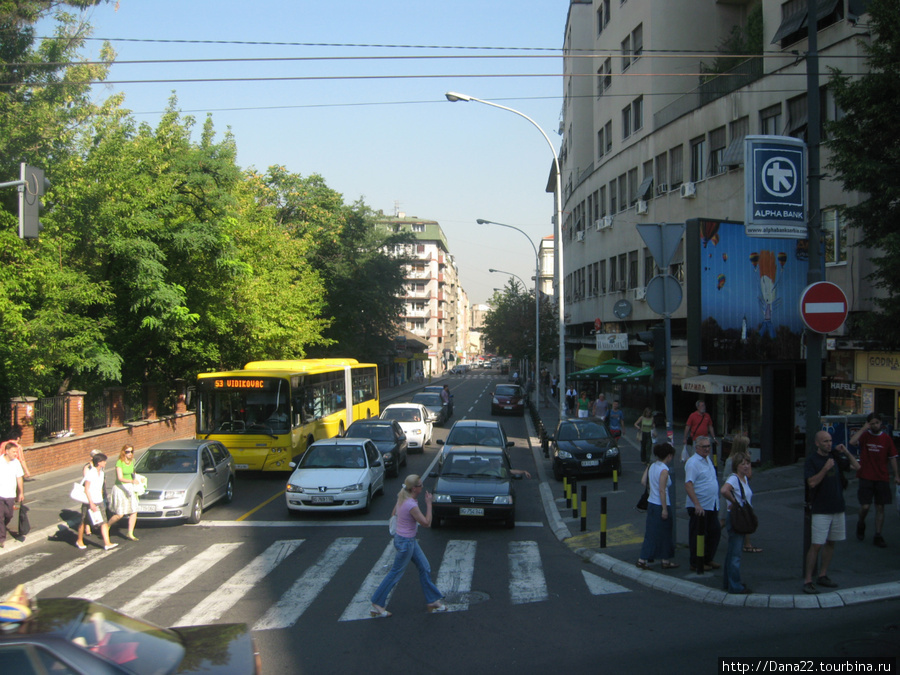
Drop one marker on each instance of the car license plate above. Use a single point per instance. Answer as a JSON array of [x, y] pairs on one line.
[[591, 462], [322, 500], [146, 508], [507, 407], [471, 512], [241, 466]]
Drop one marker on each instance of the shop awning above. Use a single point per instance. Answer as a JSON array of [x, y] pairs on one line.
[[605, 371], [588, 358], [639, 375], [723, 384]]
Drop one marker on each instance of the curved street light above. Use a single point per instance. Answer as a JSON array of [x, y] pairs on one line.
[[453, 97], [537, 303]]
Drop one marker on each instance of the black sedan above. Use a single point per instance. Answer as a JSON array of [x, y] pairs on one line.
[[583, 446], [475, 482], [73, 636], [438, 411], [388, 437]]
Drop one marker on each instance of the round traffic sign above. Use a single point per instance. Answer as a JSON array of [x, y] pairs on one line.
[[823, 307]]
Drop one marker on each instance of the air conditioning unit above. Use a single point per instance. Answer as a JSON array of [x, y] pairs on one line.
[[641, 207], [688, 190], [606, 222], [640, 293], [598, 223], [579, 236], [662, 188]]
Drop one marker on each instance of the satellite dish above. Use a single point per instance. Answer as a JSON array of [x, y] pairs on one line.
[[622, 309]]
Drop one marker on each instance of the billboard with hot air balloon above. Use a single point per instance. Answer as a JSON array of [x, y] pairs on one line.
[[742, 294]]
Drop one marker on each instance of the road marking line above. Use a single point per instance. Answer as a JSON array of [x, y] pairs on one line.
[[361, 603], [178, 579], [600, 586], [456, 572], [226, 596], [257, 508], [124, 573], [294, 602], [526, 574], [63, 572], [16, 566], [323, 523]]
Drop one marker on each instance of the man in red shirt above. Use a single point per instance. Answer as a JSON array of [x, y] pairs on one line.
[[699, 423], [876, 451]]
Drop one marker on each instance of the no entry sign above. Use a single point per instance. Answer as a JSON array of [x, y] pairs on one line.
[[823, 307]]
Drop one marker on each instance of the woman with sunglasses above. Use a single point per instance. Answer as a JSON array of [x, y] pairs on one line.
[[123, 501], [409, 517]]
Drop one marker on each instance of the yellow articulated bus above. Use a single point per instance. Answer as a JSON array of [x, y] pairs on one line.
[[268, 413]]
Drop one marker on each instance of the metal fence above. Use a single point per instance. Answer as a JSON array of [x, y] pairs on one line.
[[96, 412], [50, 418]]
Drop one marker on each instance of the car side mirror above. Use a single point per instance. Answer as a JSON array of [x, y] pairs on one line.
[[377, 462], [440, 441], [510, 444], [433, 474], [293, 465]]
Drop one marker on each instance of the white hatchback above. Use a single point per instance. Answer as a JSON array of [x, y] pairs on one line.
[[413, 419], [337, 474]]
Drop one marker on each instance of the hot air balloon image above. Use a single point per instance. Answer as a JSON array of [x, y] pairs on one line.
[[709, 232], [725, 257], [754, 259], [768, 290], [720, 281], [782, 259]]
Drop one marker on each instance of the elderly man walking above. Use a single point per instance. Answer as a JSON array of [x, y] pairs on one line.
[[701, 483]]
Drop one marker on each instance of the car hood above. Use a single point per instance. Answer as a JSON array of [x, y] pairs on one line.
[[168, 481], [409, 426], [222, 648], [582, 447], [330, 478], [473, 486]]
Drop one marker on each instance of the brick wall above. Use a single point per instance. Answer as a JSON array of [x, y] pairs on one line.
[[63, 452]]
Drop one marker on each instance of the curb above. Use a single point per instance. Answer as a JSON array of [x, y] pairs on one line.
[[688, 589]]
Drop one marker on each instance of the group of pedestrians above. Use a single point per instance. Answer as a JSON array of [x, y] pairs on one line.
[[580, 404], [121, 501]]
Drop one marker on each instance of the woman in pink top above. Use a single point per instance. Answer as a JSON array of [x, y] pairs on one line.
[[409, 517]]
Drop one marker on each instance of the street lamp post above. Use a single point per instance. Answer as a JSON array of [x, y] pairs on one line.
[[453, 97], [537, 303]]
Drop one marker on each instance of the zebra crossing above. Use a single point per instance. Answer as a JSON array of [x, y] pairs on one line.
[[148, 593]]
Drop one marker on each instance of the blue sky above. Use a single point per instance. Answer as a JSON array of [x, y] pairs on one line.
[[392, 140]]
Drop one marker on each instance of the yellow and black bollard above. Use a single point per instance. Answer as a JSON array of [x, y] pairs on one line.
[[567, 492], [602, 522], [574, 499], [583, 508], [701, 542], [615, 480]]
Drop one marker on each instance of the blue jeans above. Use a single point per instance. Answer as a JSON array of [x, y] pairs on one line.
[[407, 549], [731, 579]]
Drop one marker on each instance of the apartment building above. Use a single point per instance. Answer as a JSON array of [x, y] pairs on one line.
[[654, 120]]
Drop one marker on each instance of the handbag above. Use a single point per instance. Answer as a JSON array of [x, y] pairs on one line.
[[139, 486], [24, 524], [743, 518], [392, 525], [643, 501], [78, 494]]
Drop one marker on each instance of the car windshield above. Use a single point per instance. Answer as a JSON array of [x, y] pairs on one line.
[[376, 432], [138, 647], [473, 466], [506, 390], [334, 457], [402, 414], [428, 399], [165, 460], [475, 436], [584, 431]]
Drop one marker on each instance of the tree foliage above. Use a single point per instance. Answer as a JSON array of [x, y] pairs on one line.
[[509, 326], [865, 146]]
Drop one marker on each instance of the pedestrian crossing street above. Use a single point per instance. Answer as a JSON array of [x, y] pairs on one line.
[[147, 588]]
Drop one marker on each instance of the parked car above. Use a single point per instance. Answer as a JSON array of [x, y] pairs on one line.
[[413, 419], [388, 437], [583, 446], [475, 482], [336, 474], [438, 411], [184, 478], [79, 637], [476, 432], [508, 398]]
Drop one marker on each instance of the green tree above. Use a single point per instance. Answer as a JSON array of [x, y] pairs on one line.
[[510, 323], [865, 146]]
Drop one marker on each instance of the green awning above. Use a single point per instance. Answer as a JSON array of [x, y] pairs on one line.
[[605, 371], [639, 375]]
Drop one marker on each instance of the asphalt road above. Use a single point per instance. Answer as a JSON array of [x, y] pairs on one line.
[[521, 602]]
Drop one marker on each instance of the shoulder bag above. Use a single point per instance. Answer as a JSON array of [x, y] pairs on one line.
[[78, 494], [392, 525], [743, 519]]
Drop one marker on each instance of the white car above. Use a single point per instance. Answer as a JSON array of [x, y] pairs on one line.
[[413, 419], [337, 474]]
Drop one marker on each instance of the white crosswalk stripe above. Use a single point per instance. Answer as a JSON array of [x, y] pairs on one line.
[[526, 573], [455, 575], [66, 570], [228, 594], [21, 564], [360, 604], [124, 573]]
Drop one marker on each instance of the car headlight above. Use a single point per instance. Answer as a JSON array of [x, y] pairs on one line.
[[416, 432], [293, 488], [612, 452], [495, 401], [387, 456], [441, 499], [356, 487], [503, 499], [563, 454], [174, 494]]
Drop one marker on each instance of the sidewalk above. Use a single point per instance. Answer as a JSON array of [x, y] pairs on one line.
[[865, 573]]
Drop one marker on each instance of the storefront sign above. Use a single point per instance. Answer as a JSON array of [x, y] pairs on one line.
[[723, 384], [878, 368], [614, 342]]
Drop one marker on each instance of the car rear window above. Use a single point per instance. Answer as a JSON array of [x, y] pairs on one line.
[[507, 391], [402, 414], [377, 432]]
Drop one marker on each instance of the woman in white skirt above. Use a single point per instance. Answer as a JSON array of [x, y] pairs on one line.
[[122, 500]]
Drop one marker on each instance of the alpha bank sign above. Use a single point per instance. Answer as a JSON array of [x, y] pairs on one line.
[[775, 187]]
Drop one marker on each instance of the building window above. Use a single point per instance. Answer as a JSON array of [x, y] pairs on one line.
[[633, 269], [606, 12], [637, 113], [601, 275], [794, 24], [734, 153], [662, 174], [612, 196], [613, 279], [770, 121], [418, 227], [676, 166], [607, 74], [608, 136], [632, 187], [602, 201], [600, 23], [835, 237], [698, 159], [637, 42], [601, 144], [798, 117], [626, 121], [623, 271], [649, 266], [623, 192], [717, 139], [626, 53]]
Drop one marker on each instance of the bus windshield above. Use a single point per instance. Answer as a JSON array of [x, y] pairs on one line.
[[244, 405]]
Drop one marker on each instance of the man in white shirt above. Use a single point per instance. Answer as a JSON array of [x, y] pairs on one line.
[[701, 483], [12, 486]]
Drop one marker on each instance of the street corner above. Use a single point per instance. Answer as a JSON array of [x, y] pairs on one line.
[[624, 535]]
